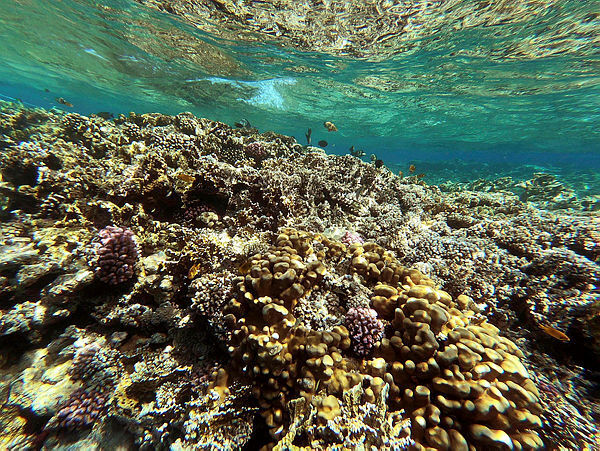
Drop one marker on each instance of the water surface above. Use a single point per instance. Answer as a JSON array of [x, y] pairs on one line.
[[508, 88]]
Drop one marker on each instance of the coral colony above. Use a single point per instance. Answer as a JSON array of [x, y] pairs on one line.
[[117, 255], [282, 298], [459, 380], [366, 330]]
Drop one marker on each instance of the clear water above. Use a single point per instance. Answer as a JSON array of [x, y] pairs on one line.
[[468, 93], [516, 95]]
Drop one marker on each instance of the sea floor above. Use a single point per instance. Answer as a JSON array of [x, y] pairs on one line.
[[172, 282]]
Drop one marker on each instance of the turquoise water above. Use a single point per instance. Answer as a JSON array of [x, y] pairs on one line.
[[518, 94], [135, 270]]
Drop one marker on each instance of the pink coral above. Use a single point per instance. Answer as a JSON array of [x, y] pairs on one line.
[[256, 150], [117, 255], [366, 330], [352, 238], [82, 409]]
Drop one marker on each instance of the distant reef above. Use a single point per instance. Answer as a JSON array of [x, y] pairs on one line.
[[172, 282]]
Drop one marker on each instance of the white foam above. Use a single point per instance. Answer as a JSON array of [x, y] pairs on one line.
[[267, 94]]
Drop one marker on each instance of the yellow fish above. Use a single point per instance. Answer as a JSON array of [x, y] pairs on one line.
[[194, 270], [555, 333], [330, 126], [64, 102], [186, 178]]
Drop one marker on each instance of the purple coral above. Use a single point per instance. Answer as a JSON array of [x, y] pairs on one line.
[[352, 238], [117, 255], [83, 367], [93, 366], [192, 213], [366, 330], [82, 409], [256, 150]]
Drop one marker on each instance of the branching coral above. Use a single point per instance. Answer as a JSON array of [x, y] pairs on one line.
[[95, 367], [366, 330]]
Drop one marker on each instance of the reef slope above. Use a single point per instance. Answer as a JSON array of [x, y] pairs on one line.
[[155, 269]]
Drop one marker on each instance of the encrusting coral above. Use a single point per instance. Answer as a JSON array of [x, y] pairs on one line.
[[460, 382]]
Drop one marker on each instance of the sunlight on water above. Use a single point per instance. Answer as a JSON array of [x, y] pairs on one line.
[[460, 87], [267, 93], [480, 85]]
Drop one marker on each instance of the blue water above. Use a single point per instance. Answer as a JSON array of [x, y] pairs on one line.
[[524, 93]]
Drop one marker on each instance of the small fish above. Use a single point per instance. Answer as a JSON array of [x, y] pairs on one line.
[[357, 152], [245, 267], [105, 115], [64, 102], [46, 90], [308, 133], [554, 333], [322, 143], [330, 126], [244, 123], [373, 158], [194, 270], [420, 176], [378, 163], [412, 168], [186, 177], [400, 174]]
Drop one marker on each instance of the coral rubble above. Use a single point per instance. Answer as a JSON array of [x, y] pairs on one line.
[[171, 282]]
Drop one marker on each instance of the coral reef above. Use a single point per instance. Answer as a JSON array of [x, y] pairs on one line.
[[543, 190], [227, 323], [460, 382]]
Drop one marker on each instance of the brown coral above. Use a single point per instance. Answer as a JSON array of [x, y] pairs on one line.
[[460, 383]]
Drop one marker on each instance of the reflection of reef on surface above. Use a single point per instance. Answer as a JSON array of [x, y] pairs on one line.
[[174, 44], [380, 29], [253, 244]]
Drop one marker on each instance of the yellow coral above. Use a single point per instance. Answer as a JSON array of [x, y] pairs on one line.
[[459, 382]]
